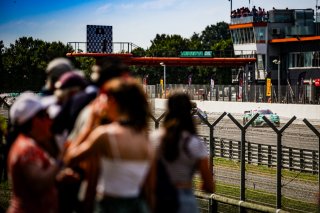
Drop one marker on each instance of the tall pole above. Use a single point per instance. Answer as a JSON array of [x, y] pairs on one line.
[[164, 81], [279, 87], [230, 6], [164, 78], [317, 33]]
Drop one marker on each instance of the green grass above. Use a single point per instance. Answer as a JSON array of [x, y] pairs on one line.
[[5, 191], [263, 198], [258, 196], [260, 169]]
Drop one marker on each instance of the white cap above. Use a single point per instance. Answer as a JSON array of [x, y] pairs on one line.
[[26, 106], [59, 65]]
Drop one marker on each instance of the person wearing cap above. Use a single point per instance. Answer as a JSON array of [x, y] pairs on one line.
[[82, 105], [31, 169], [55, 69]]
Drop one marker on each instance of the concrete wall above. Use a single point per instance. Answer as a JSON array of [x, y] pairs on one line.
[[310, 112]]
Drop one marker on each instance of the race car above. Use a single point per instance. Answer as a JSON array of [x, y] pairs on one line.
[[273, 117]]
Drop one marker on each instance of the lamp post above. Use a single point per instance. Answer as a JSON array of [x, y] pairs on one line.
[[279, 88], [164, 78]]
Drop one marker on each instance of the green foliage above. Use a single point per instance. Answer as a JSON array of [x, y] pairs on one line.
[[85, 64], [139, 52], [22, 64], [214, 37]]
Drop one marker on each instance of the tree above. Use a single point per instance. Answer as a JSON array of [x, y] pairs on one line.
[[24, 62], [167, 45], [213, 34]]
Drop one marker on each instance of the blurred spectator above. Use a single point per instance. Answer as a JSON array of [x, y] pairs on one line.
[[54, 70], [102, 71], [122, 146], [76, 114], [182, 152], [31, 169], [68, 85]]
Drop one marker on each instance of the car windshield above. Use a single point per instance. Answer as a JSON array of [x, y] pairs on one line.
[[265, 112]]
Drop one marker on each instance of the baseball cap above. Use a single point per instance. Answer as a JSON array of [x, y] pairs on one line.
[[26, 106], [56, 68], [59, 65], [71, 79]]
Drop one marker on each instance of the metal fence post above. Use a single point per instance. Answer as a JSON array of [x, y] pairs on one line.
[[230, 150], [249, 153], [314, 162], [269, 156], [290, 159], [242, 154], [317, 133], [211, 139], [279, 154], [221, 148], [259, 154], [302, 166]]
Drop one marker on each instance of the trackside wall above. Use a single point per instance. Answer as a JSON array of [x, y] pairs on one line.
[[301, 111]]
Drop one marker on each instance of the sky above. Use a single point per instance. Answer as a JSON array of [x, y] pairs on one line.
[[136, 21]]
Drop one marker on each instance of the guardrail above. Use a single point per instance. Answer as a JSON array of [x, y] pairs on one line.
[[214, 201], [117, 47], [294, 159]]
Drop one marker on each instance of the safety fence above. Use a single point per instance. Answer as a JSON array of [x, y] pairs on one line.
[[279, 156], [295, 94], [295, 159], [217, 203], [244, 152]]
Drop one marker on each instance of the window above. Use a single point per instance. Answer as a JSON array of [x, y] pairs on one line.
[[304, 59]]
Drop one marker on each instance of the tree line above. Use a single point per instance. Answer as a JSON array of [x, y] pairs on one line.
[[23, 64]]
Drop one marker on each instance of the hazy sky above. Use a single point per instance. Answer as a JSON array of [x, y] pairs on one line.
[[136, 21]]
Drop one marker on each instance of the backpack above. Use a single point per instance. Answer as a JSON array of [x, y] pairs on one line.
[[165, 191]]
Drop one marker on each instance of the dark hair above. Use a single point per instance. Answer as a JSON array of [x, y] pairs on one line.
[[177, 120], [131, 100], [110, 68]]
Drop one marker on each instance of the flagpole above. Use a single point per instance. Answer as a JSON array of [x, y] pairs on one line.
[[230, 9]]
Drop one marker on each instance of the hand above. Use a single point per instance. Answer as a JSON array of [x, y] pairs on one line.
[[68, 175], [99, 106]]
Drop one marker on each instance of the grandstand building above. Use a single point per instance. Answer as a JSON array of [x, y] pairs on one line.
[[286, 45]]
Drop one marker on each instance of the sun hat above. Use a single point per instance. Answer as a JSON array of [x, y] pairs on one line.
[[26, 106]]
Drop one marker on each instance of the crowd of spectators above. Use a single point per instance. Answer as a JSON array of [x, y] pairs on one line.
[[83, 145], [259, 14]]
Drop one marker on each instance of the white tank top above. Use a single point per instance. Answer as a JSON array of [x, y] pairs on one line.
[[121, 178]]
